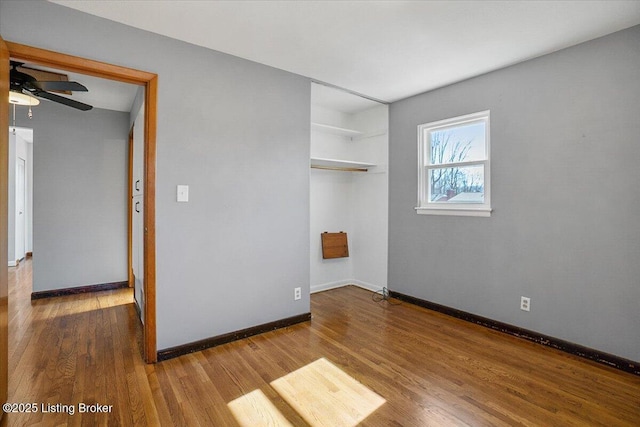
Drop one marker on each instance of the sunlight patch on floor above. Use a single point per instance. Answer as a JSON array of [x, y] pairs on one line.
[[255, 409], [319, 392], [87, 302], [326, 396]]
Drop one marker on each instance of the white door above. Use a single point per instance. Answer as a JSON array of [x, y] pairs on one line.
[[20, 208], [138, 253]]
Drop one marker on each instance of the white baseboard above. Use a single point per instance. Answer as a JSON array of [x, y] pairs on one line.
[[333, 285], [367, 286], [330, 285], [12, 263]]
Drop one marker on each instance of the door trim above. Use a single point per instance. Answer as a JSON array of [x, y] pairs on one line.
[[150, 82], [4, 210]]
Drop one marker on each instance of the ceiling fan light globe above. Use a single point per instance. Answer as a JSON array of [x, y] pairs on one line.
[[22, 99]]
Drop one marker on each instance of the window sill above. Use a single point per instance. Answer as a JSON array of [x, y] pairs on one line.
[[482, 212]]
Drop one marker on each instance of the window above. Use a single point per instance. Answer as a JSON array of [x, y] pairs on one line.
[[453, 166]]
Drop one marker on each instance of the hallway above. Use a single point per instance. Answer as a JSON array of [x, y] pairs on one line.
[[79, 348]]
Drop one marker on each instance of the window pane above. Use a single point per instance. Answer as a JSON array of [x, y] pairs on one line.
[[457, 144], [457, 185]]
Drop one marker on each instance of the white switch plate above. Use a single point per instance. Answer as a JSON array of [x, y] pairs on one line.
[[183, 193]]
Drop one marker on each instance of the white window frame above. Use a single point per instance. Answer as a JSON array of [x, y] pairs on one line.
[[425, 205]]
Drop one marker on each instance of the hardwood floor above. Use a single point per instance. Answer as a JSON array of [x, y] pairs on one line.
[[357, 362]]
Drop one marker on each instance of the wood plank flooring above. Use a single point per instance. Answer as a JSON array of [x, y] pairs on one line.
[[419, 368]]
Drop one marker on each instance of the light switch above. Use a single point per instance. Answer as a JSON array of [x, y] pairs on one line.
[[183, 193]]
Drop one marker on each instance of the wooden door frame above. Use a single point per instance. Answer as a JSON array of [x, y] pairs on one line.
[[4, 210], [150, 82]]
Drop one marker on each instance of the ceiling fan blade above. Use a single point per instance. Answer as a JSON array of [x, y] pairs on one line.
[[61, 100], [60, 85]]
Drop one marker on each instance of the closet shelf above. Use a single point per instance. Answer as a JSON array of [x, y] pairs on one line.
[[335, 130], [341, 165], [366, 135]]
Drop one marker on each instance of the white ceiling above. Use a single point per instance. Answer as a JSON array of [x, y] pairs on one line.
[[387, 50]]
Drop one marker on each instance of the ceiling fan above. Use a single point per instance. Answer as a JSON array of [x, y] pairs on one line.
[[24, 83]]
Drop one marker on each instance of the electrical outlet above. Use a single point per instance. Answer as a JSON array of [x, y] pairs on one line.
[[525, 303], [297, 293]]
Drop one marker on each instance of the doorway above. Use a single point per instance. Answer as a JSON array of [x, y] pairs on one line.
[[21, 190], [149, 81], [18, 215]]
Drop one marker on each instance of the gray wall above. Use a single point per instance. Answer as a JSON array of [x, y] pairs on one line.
[[80, 195], [564, 231], [237, 132]]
